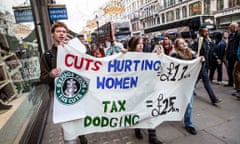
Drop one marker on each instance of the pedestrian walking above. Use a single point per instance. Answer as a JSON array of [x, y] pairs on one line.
[[181, 51], [231, 52], [236, 73], [202, 47], [218, 52]]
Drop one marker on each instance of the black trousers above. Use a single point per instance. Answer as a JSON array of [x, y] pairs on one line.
[[230, 66]]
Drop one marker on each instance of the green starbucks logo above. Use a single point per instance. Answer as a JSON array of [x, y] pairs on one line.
[[70, 87]]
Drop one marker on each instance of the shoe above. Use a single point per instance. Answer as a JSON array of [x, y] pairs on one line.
[[75, 141], [191, 130], [138, 134], [238, 98], [4, 108], [228, 85], [219, 82], [154, 141], [235, 94], [217, 101], [83, 139]]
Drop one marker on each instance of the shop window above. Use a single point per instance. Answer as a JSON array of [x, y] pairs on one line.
[[19, 75]]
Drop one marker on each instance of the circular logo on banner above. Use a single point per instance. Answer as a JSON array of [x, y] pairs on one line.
[[70, 88]]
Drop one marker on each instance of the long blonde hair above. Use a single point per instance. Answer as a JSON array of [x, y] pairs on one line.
[[183, 53]]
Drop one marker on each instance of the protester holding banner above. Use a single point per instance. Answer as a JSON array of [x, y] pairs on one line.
[[135, 44], [115, 47], [49, 70], [202, 47], [181, 51]]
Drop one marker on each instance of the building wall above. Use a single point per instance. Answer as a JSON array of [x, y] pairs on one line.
[[152, 13]]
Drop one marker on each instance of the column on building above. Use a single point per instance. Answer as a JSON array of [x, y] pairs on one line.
[[213, 6], [225, 4]]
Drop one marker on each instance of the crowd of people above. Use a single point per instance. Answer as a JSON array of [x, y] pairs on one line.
[[221, 49]]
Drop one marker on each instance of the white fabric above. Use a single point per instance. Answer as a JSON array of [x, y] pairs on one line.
[[146, 83]]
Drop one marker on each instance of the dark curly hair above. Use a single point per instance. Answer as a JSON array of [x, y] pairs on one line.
[[133, 42]]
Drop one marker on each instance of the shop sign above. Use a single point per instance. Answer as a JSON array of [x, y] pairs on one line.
[[23, 14], [57, 12]]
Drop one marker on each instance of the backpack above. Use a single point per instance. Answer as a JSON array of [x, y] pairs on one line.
[[48, 57]]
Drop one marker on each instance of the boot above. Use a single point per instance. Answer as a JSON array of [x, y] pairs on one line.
[[152, 137], [83, 139], [138, 134], [4, 108], [75, 141]]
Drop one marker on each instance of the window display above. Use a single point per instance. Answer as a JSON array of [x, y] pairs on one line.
[[21, 98]]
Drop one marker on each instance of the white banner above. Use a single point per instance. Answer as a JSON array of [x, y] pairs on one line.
[[132, 90]]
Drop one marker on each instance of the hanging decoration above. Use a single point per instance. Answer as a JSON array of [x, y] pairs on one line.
[[91, 24], [114, 7]]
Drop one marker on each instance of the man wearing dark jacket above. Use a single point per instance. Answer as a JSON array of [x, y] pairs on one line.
[[202, 46], [236, 73], [219, 51], [49, 69], [231, 52]]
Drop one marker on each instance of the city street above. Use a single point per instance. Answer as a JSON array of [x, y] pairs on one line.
[[215, 124]]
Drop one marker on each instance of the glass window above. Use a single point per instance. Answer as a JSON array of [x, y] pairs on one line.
[[158, 20], [170, 16], [220, 5], [19, 71], [177, 13], [233, 3], [163, 18], [195, 9], [206, 6], [230, 2], [184, 11]]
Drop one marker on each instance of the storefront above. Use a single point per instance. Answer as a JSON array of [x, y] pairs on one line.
[[24, 101]]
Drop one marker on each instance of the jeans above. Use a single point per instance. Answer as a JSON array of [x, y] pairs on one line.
[[206, 83], [188, 114]]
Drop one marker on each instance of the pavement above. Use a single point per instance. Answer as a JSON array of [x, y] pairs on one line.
[[215, 124]]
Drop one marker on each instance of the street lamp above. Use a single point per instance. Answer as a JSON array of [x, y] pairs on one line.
[[98, 40]]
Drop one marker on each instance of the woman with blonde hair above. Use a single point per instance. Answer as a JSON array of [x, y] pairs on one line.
[[181, 51]]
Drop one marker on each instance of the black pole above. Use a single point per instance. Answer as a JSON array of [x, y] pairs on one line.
[[98, 39]]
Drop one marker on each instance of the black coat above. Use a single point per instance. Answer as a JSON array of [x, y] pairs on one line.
[[232, 46], [206, 51]]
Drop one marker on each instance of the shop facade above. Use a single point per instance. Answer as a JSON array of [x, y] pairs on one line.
[[24, 101]]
